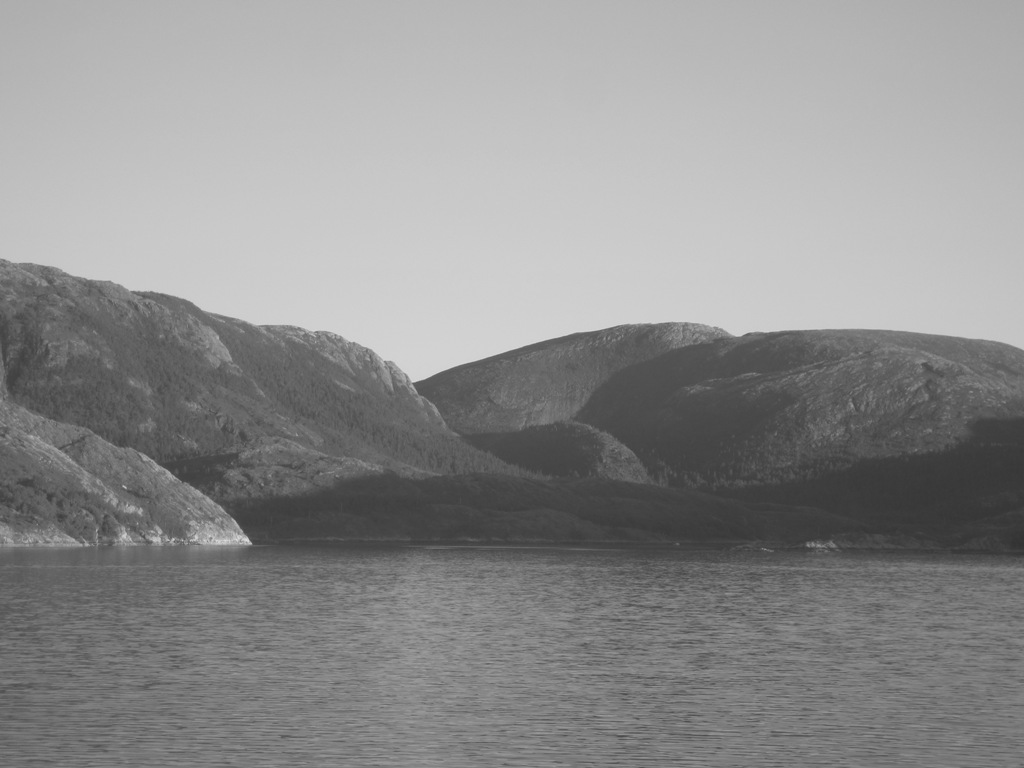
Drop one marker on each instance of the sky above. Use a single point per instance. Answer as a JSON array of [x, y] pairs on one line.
[[443, 180]]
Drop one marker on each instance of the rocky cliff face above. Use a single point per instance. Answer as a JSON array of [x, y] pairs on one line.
[[63, 485], [551, 381]]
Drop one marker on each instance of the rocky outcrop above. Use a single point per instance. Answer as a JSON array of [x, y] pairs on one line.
[[551, 381], [63, 485]]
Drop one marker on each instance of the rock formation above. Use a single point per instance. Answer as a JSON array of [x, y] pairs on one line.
[[63, 485]]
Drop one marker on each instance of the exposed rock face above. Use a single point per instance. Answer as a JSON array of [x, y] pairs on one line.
[[63, 485], [549, 382]]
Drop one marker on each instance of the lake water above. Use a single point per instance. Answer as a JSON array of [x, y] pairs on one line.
[[340, 656]]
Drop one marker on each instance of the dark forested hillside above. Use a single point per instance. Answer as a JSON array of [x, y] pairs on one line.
[[500, 508], [891, 428], [565, 449]]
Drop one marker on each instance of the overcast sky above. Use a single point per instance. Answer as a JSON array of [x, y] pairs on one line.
[[442, 181]]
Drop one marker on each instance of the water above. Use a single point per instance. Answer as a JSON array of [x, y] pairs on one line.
[[293, 656]]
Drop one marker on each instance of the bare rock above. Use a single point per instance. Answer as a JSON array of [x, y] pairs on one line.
[[62, 485]]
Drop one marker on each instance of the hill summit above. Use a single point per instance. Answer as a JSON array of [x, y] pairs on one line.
[[550, 381]]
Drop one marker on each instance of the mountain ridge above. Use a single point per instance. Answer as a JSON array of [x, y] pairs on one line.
[[157, 373], [823, 418], [485, 395], [303, 431]]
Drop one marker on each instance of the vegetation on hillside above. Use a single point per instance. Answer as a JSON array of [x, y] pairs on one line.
[[502, 508], [138, 372], [565, 449], [976, 486], [891, 430], [783, 408]]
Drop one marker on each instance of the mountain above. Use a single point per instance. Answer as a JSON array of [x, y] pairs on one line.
[[158, 374], [654, 433], [63, 485], [152, 378], [779, 406], [550, 381], [891, 428]]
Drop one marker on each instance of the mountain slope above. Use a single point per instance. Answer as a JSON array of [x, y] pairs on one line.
[[900, 431], [771, 407], [158, 374], [565, 449], [297, 430], [550, 381], [63, 485]]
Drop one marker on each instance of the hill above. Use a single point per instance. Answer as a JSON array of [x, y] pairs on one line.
[[63, 485], [550, 381], [776, 407], [891, 428], [158, 374], [625, 432]]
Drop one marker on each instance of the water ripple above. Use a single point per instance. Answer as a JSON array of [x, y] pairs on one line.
[[508, 657]]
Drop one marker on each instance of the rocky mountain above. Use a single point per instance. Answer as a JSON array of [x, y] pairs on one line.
[[705, 409], [551, 381], [856, 422], [780, 406], [63, 485], [644, 433], [161, 380], [158, 374]]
